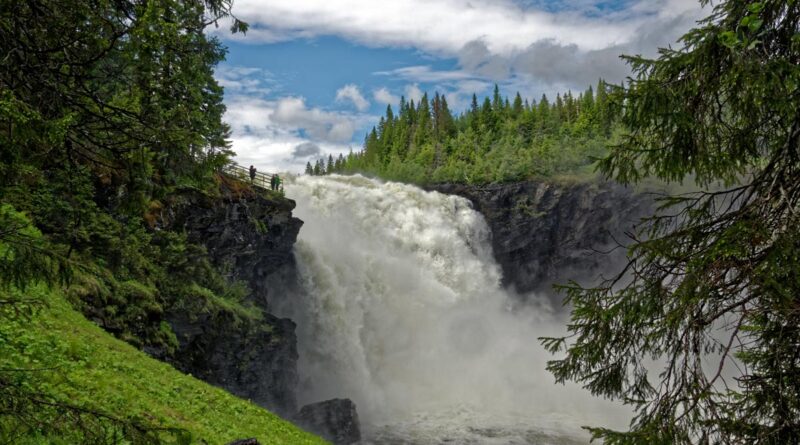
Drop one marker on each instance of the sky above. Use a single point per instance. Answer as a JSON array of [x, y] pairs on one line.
[[310, 78]]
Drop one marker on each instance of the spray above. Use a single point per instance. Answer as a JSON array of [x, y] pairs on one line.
[[402, 312]]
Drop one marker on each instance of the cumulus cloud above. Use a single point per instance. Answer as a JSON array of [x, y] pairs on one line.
[[276, 154], [525, 45], [492, 39], [552, 63], [238, 79], [382, 95], [282, 134], [352, 94], [293, 113], [504, 26], [306, 150]]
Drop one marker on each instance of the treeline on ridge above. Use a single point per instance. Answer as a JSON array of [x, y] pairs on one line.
[[498, 140]]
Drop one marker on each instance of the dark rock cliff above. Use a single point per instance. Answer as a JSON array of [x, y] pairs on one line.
[[249, 237], [547, 233]]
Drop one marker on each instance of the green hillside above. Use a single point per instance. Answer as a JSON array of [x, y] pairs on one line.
[[78, 364]]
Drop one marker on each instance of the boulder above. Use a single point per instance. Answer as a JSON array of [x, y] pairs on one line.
[[335, 420]]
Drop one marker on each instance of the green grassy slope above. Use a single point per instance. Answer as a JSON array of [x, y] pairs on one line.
[[83, 365]]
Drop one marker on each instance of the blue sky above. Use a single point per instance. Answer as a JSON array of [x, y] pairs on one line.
[[311, 77]]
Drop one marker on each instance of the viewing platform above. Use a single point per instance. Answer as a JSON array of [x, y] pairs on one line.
[[261, 180]]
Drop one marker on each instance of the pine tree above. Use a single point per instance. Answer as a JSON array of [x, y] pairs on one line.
[[330, 168], [309, 169]]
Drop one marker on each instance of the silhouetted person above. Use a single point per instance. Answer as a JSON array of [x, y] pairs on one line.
[[277, 182], [252, 173], [272, 182]]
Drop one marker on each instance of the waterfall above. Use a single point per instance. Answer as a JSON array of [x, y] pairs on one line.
[[402, 312]]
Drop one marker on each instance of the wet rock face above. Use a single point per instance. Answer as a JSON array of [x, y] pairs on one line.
[[334, 420], [545, 233], [255, 360], [249, 237]]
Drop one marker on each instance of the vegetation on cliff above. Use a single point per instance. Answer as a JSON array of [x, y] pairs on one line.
[[109, 113]]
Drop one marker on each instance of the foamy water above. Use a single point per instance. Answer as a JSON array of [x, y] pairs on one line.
[[403, 313]]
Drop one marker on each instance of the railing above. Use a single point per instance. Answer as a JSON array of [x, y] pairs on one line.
[[262, 180]]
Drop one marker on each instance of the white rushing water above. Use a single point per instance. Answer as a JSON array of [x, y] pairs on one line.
[[403, 313]]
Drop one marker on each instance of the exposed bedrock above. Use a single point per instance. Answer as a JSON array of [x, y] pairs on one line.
[[546, 233]]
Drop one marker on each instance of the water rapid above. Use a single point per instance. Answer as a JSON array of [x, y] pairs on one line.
[[403, 312]]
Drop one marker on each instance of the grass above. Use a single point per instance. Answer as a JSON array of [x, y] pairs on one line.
[[76, 362]]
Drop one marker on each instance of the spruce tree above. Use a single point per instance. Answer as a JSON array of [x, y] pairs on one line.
[[517, 108], [700, 332], [474, 113], [424, 125], [340, 164], [446, 123], [487, 115], [497, 101]]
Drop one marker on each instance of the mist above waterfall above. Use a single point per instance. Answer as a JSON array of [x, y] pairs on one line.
[[402, 311]]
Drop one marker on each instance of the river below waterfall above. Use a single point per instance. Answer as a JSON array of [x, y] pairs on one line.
[[403, 313]]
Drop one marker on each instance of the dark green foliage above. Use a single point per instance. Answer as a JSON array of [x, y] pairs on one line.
[[494, 142], [24, 254], [108, 110], [710, 294]]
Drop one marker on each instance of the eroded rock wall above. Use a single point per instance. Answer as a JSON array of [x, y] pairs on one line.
[[546, 233], [249, 237]]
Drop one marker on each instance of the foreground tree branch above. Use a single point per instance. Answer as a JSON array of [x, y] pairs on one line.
[[723, 110]]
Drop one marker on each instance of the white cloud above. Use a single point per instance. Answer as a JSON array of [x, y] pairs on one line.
[[282, 133], [266, 133], [424, 73], [413, 92], [293, 113], [239, 79], [278, 154], [383, 96], [351, 93], [445, 26], [493, 40]]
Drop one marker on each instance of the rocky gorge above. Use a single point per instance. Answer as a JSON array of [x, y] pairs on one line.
[[541, 233]]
